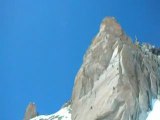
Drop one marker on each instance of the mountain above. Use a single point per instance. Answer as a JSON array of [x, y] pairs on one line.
[[118, 80]]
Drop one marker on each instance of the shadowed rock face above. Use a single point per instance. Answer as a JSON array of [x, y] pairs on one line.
[[30, 111], [117, 79], [155, 51]]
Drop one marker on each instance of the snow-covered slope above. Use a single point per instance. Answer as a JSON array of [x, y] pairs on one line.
[[62, 114], [65, 113]]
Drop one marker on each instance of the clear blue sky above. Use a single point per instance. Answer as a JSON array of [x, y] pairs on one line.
[[42, 43]]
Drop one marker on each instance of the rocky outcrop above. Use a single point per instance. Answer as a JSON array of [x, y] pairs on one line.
[[30, 111], [117, 80]]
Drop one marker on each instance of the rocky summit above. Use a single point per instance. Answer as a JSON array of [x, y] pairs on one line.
[[118, 80]]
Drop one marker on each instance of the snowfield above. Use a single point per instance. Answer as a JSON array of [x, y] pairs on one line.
[[63, 114]]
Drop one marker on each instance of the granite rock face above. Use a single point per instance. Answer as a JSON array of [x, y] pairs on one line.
[[30, 111], [117, 80]]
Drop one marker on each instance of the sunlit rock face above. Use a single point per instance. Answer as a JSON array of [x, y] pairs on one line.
[[117, 79], [31, 111]]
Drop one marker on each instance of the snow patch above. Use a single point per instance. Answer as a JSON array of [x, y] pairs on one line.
[[63, 114], [155, 113]]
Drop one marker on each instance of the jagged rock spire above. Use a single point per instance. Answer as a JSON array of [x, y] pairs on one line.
[[31, 111], [110, 25], [117, 80]]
